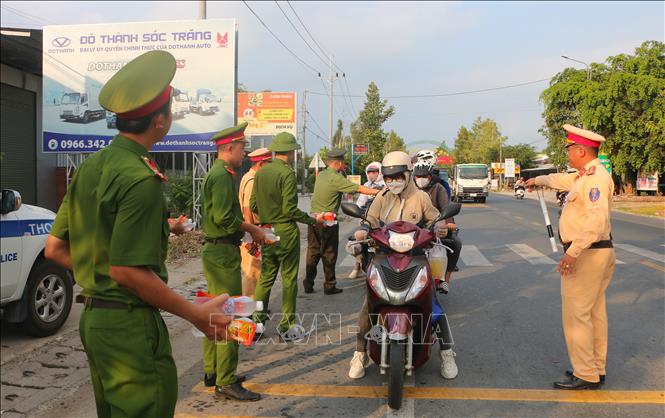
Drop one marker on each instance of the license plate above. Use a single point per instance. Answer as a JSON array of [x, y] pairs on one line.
[[473, 194]]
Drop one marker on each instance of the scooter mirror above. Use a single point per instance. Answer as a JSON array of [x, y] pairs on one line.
[[352, 210], [451, 210]]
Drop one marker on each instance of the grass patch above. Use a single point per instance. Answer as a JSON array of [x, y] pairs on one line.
[[642, 208]]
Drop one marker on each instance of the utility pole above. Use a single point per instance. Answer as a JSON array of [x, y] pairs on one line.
[[501, 163], [304, 152], [330, 105], [202, 9]]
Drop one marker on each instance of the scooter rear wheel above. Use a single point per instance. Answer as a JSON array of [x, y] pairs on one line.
[[396, 375]]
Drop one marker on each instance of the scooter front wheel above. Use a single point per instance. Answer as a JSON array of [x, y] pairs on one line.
[[396, 375]]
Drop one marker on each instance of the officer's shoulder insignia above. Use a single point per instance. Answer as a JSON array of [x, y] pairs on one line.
[[594, 194], [153, 167], [591, 171]]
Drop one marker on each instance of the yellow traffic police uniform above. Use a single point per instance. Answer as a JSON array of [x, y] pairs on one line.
[[250, 265], [585, 220]]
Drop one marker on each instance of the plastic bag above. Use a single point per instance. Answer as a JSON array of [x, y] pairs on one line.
[[438, 260]]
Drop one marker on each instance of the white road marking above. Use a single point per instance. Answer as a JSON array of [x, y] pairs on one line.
[[641, 252], [530, 254], [471, 256]]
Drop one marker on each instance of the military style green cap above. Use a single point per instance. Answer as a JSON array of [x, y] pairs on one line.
[[140, 87], [234, 133], [283, 142], [336, 154]]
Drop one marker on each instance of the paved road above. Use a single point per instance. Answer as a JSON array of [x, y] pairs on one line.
[[504, 309]]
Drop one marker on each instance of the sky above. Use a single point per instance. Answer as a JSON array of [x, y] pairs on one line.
[[406, 48]]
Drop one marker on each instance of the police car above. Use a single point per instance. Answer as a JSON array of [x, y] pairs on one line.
[[35, 292]]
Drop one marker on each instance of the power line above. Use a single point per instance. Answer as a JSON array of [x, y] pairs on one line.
[[316, 123], [316, 135], [27, 15], [306, 30], [448, 94], [299, 34], [280, 41]]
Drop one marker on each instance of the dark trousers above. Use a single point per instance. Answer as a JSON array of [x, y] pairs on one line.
[[322, 243]]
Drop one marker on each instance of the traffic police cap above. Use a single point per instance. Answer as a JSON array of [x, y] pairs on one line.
[[228, 135], [583, 137], [140, 87], [336, 154], [261, 154], [283, 142]]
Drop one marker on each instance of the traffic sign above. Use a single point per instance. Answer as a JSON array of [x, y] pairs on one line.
[[360, 149], [317, 162]]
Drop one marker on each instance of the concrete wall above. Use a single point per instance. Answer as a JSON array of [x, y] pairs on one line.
[[46, 163]]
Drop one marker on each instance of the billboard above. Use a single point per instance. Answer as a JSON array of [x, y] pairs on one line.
[[360, 149], [79, 59], [267, 113]]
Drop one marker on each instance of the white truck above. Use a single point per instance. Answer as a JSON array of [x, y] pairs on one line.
[[470, 181], [83, 105], [180, 104], [35, 292], [204, 102]]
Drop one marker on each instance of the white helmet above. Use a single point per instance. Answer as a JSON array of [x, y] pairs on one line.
[[396, 162], [426, 155], [422, 168]]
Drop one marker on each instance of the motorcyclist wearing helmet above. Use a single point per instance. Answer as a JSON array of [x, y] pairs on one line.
[[402, 201], [374, 181], [423, 177], [431, 157]]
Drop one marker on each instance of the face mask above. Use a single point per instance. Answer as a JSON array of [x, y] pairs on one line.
[[422, 182], [396, 187]]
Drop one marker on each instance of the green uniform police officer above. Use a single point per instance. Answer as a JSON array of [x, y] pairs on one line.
[[275, 199], [112, 231], [322, 241], [223, 227]]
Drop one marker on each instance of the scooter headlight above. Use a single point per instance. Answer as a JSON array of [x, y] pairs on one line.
[[401, 242], [418, 285], [376, 283]]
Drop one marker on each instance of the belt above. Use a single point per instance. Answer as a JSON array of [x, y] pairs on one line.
[[224, 240], [598, 244], [106, 304]]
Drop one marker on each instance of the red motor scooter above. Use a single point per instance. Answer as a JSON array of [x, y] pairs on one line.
[[400, 291]]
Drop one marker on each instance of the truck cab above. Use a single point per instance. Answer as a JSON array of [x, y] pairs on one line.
[[471, 181], [81, 106], [204, 102], [180, 104], [34, 291]]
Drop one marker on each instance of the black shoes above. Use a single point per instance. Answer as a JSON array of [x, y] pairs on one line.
[[575, 383], [569, 373], [210, 379], [309, 290], [332, 291], [236, 392]]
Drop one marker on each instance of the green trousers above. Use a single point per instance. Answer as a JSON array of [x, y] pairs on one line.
[[131, 367], [285, 254], [221, 268]]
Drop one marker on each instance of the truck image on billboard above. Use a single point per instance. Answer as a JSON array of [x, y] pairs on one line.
[[79, 59]]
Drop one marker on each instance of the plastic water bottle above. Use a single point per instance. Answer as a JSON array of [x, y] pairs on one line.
[[329, 218], [241, 306], [271, 236]]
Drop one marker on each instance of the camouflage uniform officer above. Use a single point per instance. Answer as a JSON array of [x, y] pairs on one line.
[[323, 241], [112, 231], [275, 199], [588, 263], [251, 264], [223, 227]]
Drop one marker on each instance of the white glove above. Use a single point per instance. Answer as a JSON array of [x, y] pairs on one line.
[[441, 229]]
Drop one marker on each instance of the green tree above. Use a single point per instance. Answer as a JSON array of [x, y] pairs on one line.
[[393, 142], [368, 128], [480, 144], [523, 154], [339, 139], [624, 101]]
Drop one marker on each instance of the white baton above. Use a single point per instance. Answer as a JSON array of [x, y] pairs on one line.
[[548, 224]]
